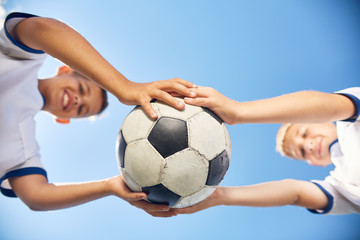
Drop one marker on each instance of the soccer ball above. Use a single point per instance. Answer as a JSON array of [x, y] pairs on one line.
[[178, 159]]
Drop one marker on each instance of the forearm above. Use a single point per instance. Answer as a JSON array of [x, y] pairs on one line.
[[66, 44], [35, 191], [69, 195], [51, 197], [299, 107], [277, 193]]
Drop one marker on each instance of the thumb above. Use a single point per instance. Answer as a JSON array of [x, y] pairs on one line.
[[135, 196]]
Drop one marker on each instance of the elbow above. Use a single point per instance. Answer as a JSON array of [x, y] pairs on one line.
[[34, 203], [35, 207]]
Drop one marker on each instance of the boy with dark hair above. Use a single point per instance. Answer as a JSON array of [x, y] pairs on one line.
[[74, 92]]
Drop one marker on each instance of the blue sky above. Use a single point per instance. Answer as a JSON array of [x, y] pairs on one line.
[[247, 50]]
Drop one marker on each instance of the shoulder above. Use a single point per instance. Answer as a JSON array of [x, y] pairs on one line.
[[9, 45], [338, 203], [354, 95]]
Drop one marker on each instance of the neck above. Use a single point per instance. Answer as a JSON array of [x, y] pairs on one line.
[[42, 89]]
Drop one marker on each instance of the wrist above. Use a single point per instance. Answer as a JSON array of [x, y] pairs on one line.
[[109, 185], [219, 196], [226, 196], [236, 109]]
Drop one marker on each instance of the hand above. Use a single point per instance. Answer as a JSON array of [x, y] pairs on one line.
[[208, 97], [120, 189], [64, 43], [164, 90], [155, 210], [213, 200]]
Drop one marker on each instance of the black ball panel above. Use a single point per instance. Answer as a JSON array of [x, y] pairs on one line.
[[121, 149], [217, 169], [169, 136], [159, 194]]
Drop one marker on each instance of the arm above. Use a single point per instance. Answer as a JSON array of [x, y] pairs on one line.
[[277, 193], [39, 195], [64, 43], [299, 107]]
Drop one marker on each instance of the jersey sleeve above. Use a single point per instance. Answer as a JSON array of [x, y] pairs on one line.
[[337, 203], [32, 166], [354, 95], [9, 46]]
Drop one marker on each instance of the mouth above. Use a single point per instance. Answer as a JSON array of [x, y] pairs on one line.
[[65, 100]]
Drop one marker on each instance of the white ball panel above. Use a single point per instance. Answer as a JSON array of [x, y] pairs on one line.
[[195, 198], [143, 163], [129, 182], [227, 141], [137, 125], [206, 135], [185, 172], [168, 111]]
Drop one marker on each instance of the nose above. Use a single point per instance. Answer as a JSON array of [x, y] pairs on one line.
[[309, 145], [77, 100]]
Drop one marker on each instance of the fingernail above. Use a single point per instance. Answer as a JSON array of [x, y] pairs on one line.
[[180, 104], [192, 94], [194, 85], [154, 115]]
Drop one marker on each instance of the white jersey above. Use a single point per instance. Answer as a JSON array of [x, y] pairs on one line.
[[20, 100], [342, 186]]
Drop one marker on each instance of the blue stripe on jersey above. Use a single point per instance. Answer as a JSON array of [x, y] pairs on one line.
[[356, 103], [330, 199], [16, 43], [18, 173]]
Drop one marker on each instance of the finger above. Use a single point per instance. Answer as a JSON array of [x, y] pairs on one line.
[[178, 87], [175, 94], [163, 214], [135, 196], [154, 210], [149, 110], [185, 83], [182, 90], [198, 101], [203, 91], [188, 210], [167, 98], [148, 207]]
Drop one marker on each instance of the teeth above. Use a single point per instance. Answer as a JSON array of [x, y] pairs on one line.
[[66, 100]]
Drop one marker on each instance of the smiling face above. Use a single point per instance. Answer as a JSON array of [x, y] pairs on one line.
[[310, 142], [70, 95]]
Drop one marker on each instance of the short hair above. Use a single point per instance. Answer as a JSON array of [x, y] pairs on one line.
[[280, 138], [105, 102]]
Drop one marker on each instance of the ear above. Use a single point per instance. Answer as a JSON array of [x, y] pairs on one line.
[[62, 120], [64, 70]]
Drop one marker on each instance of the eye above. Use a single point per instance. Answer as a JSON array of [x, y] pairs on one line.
[[302, 152], [305, 133], [81, 89], [80, 109]]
